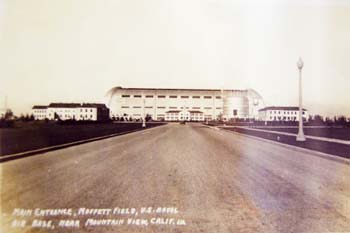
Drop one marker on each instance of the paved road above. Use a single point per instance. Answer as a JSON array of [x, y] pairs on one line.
[[218, 181]]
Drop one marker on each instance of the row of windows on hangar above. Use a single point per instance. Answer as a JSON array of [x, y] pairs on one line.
[[172, 96], [286, 112]]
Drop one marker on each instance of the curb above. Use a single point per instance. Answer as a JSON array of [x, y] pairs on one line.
[[301, 149], [10, 157]]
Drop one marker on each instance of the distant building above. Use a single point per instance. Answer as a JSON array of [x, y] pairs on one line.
[[71, 111], [62, 111], [94, 112], [184, 115], [184, 104], [39, 112], [282, 113]]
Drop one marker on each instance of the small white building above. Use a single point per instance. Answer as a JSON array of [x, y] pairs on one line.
[[71, 111], [39, 112], [92, 112], [172, 115], [62, 111], [282, 113], [184, 115], [196, 115], [86, 113]]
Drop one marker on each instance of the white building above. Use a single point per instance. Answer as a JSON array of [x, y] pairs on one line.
[[62, 111], [181, 104], [71, 111], [184, 115], [282, 113], [39, 112]]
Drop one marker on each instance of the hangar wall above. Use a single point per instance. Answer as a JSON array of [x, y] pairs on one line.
[[158, 102]]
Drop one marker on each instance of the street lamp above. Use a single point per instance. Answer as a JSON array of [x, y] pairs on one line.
[[143, 117], [300, 136], [222, 109]]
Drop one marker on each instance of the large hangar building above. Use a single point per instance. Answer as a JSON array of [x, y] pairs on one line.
[[184, 104]]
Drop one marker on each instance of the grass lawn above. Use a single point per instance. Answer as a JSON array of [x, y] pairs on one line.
[[342, 150], [342, 133], [27, 136]]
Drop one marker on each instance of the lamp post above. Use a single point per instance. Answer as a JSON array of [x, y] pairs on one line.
[[143, 117], [222, 107], [300, 136]]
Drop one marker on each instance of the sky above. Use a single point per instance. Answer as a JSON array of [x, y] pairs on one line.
[[76, 50]]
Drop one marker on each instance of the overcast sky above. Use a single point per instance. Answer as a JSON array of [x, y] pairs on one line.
[[76, 50]]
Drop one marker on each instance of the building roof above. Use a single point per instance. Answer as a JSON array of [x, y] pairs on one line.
[[76, 105], [93, 105], [171, 89], [190, 111], [163, 89], [39, 107], [64, 105], [173, 111], [195, 111], [283, 108]]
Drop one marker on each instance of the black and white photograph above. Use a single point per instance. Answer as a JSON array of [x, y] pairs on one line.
[[175, 116]]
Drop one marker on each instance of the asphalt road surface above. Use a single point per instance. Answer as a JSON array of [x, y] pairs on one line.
[[218, 181]]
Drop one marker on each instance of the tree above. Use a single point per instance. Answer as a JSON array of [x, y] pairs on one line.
[[317, 120], [340, 120], [8, 114], [220, 117], [148, 117], [310, 118], [57, 117]]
